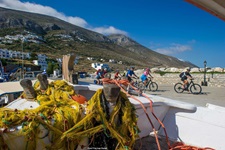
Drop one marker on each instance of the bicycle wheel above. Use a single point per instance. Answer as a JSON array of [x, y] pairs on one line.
[[153, 86], [136, 84], [195, 89], [178, 87], [141, 86]]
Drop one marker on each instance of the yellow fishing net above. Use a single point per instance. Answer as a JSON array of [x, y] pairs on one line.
[[125, 132], [57, 113], [62, 116]]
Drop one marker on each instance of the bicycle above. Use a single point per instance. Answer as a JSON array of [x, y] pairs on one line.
[[194, 87], [152, 86]]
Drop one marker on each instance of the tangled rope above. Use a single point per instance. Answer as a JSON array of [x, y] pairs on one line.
[[125, 132], [62, 116], [176, 145], [182, 146], [57, 113]]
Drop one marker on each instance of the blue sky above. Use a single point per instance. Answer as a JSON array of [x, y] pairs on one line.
[[172, 27]]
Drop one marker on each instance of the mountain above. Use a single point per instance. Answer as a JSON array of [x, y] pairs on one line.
[[147, 55], [81, 41]]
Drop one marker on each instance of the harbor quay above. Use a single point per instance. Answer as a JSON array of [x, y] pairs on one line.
[[213, 93]]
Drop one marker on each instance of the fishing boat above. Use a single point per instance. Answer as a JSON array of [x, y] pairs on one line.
[[158, 117], [184, 122]]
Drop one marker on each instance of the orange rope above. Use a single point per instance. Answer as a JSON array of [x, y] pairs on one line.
[[175, 146], [106, 80], [160, 122], [182, 146]]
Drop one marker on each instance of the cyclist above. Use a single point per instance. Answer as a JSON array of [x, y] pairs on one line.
[[130, 74], [117, 74], [105, 71], [99, 75], [184, 76], [144, 76]]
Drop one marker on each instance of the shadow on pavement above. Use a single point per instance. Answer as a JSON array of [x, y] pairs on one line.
[[204, 93], [84, 83]]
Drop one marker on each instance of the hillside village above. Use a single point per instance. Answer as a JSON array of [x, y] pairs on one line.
[[9, 54], [214, 76], [25, 37], [54, 37], [30, 37], [42, 62], [95, 63]]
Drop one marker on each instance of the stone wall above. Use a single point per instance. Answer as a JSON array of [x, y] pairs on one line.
[[214, 80]]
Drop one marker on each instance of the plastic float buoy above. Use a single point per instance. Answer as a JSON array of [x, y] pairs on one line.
[[79, 98]]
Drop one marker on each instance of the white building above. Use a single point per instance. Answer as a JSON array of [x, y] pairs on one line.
[[21, 55], [102, 60], [15, 54], [90, 58], [41, 61], [99, 66], [112, 60], [4, 54]]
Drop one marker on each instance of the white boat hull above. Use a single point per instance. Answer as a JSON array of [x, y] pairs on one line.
[[197, 126], [12, 139], [184, 122], [203, 128]]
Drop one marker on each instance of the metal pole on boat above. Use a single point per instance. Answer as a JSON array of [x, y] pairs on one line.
[[22, 71]]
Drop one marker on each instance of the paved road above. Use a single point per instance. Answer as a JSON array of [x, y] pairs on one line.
[[212, 95]]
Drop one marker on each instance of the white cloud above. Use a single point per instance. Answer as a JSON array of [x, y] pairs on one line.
[[46, 10], [174, 48], [109, 30]]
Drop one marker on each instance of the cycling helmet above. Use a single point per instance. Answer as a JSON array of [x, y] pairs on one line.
[[147, 69], [188, 69]]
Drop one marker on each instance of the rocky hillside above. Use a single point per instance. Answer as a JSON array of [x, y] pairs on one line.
[[81, 41], [148, 56]]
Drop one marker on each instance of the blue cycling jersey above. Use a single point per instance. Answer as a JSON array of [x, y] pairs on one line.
[[130, 72]]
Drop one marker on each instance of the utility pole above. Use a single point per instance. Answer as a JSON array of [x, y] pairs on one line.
[[22, 71], [204, 83]]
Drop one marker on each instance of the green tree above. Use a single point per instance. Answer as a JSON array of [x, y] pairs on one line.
[[4, 62], [50, 68], [55, 66], [33, 56]]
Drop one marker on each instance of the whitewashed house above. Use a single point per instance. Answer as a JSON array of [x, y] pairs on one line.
[[14, 54], [99, 66], [41, 61], [102, 60], [90, 58], [4, 53], [112, 61]]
